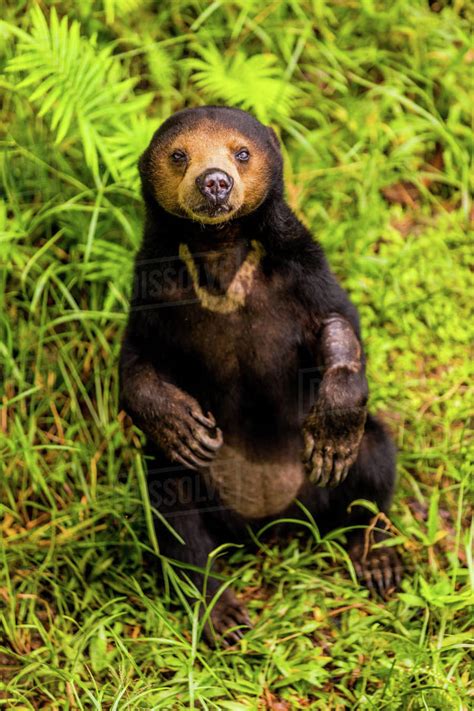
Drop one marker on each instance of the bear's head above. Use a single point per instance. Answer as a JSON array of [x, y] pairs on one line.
[[211, 164]]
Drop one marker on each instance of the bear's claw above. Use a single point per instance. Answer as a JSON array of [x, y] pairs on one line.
[[380, 569], [227, 621], [327, 463]]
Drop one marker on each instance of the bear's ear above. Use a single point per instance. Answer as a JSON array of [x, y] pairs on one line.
[[274, 139]]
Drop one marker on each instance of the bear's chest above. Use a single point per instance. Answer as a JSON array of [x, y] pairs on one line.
[[242, 362], [258, 339], [244, 367]]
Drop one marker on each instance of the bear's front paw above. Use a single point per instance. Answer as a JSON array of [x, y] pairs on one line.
[[187, 436], [330, 451]]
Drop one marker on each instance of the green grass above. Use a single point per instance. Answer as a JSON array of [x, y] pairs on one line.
[[371, 100]]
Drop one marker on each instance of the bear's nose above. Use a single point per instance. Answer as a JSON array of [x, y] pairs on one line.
[[215, 185]]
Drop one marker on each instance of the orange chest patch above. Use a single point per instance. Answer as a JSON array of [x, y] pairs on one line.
[[238, 290]]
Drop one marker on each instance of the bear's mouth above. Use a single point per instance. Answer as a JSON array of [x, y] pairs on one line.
[[214, 210], [209, 214]]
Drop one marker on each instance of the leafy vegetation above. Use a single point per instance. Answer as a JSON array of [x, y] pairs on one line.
[[371, 100]]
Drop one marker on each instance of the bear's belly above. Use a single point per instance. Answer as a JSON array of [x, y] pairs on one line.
[[255, 489]]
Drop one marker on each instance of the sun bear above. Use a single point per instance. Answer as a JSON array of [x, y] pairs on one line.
[[242, 360]]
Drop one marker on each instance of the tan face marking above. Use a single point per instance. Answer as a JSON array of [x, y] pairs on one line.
[[209, 145]]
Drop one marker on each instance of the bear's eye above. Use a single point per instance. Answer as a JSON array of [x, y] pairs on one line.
[[178, 157], [243, 155]]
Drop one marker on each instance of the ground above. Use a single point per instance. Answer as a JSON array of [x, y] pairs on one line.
[[371, 101]]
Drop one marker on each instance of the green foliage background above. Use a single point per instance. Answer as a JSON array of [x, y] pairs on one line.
[[371, 100]]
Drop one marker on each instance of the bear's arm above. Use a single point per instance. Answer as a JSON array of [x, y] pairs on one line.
[[331, 322], [335, 424], [339, 345], [171, 418]]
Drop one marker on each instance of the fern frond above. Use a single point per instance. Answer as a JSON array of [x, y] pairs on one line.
[[162, 67], [78, 87], [126, 146], [120, 8], [253, 83]]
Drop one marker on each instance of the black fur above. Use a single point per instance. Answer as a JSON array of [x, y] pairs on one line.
[[255, 372]]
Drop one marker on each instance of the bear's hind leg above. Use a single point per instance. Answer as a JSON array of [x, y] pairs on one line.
[[181, 498], [372, 477]]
